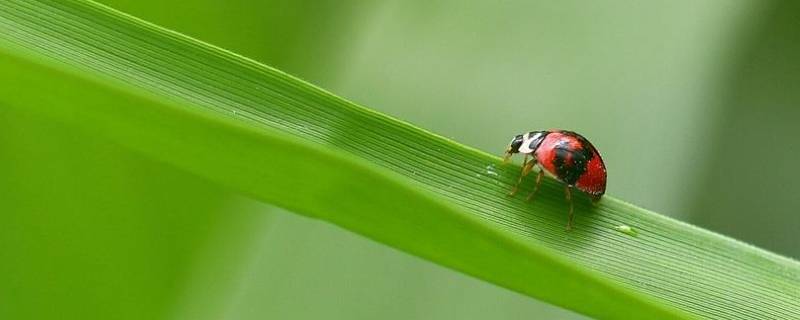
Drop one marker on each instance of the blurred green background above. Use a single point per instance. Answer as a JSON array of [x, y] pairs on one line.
[[694, 106]]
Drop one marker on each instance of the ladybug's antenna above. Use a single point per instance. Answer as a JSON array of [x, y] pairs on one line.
[[507, 156]]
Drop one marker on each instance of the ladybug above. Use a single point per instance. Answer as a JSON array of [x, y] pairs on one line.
[[564, 155]]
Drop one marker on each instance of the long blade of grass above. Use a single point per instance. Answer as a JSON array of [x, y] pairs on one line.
[[281, 140]]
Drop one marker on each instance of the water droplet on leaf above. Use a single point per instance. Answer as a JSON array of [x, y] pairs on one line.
[[626, 230]]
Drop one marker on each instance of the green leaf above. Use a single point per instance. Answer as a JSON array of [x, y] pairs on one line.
[[283, 141]]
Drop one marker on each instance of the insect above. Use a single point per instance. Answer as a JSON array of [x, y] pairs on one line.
[[564, 155]]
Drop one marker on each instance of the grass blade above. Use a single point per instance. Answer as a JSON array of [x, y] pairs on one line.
[[283, 141]]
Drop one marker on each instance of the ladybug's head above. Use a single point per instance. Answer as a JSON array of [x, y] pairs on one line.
[[513, 147], [525, 143]]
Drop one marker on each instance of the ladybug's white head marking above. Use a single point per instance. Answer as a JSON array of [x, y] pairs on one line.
[[532, 141], [525, 143]]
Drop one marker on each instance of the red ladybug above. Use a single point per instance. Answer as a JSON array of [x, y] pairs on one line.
[[564, 155]]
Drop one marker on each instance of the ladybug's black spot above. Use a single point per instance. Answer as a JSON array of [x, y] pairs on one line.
[[570, 163]]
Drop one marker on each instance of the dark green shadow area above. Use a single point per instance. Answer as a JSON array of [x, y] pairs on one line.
[[751, 188]]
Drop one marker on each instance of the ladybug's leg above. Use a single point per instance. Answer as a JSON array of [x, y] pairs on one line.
[[571, 209], [538, 182], [526, 168]]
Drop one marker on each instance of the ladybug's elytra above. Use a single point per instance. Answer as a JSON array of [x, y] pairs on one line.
[[564, 155]]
